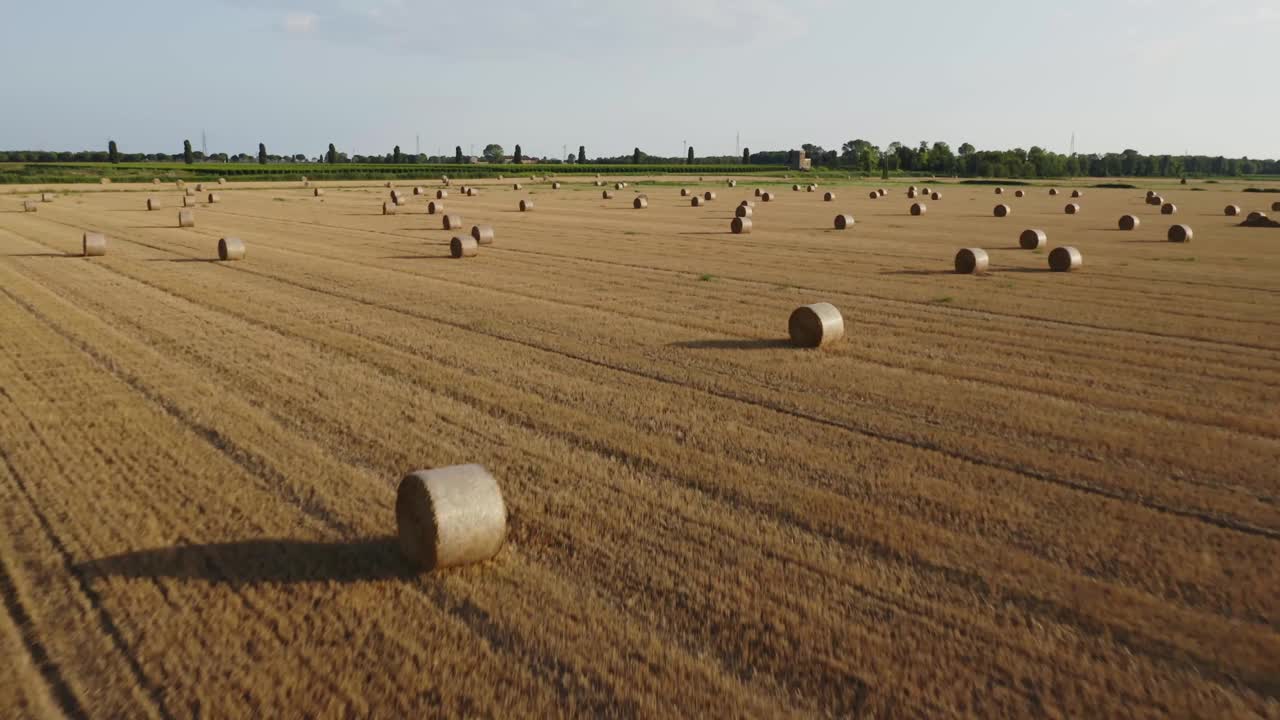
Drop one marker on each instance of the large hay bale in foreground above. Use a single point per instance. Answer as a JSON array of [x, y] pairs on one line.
[[1129, 222], [186, 219], [1180, 234], [1001, 210], [1168, 209], [843, 222], [740, 225], [526, 205], [972, 261], [442, 194], [230, 248], [919, 209], [1032, 239], [482, 234], [1065, 259], [1071, 208], [29, 206], [640, 203], [451, 222], [94, 244], [1231, 210], [815, 325], [153, 204], [435, 207], [460, 246], [828, 196]]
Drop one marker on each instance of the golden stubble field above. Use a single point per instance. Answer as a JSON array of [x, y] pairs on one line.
[[1024, 493]]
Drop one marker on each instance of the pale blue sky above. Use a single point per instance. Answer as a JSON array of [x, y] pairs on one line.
[[1160, 76]]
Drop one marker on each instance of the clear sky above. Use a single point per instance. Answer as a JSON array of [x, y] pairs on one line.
[[1158, 76]]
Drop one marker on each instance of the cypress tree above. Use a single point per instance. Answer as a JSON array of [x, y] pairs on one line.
[[395, 155], [262, 153], [582, 153], [332, 156], [113, 153], [519, 156], [186, 152], [635, 157], [690, 160], [746, 156]]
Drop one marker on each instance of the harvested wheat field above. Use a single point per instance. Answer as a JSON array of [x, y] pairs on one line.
[[1021, 493]]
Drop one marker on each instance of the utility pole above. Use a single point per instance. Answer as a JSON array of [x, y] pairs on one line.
[[204, 145], [417, 144], [737, 144]]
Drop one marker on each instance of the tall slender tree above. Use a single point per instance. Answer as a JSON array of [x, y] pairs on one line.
[[187, 156], [689, 161], [582, 153], [113, 153], [331, 157], [746, 156], [395, 155], [457, 154], [518, 158], [635, 157], [262, 153]]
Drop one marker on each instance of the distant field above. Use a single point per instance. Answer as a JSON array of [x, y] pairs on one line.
[[1019, 494]]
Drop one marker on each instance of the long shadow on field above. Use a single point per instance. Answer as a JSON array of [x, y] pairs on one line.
[[43, 254], [268, 560], [184, 260], [756, 344]]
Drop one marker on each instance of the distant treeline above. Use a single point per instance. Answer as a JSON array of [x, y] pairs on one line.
[[855, 156]]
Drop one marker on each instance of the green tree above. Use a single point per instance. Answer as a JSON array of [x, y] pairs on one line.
[[457, 154], [494, 153], [396, 157], [518, 158], [186, 152], [689, 161], [635, 157], [332, 156], [582, 153], [113, 153], [746, 156], [262, 153]]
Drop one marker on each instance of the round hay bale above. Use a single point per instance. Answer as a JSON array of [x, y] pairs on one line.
[[1001, 210], [1275, 207], [1180, 234], [29, 205], [303, 178], [708, 196], [472, 192], [766, 197], [936, 196], [843, 222], [501, 176], [740, 225], [1053, 191], [462, 246], [435, 207], [881, 191], [153, 204], [924, 191], [417, 190], [451, 222], [606, 195], [1155, 200], [743, 211], [759, 192], [618, 186], [912, 188], [815, 325], [1065, 259], [696, 201], [155, 181], [972, 261], [599, 183], [733, 183], [395, 196], [795, 188], [1018, 193], [482, 234], [811, 188], [388, 208], [47, 197], [1076, 194], [555, 186], [1071, 208], [684, 192], [515, 186], [199, 187], [442, 194], [186, 218], [747, 203], [1255, 216], [189, 192], [918, 209], [189, 201], [230, 248], [213, 198], [1129, 222], [388, 183], [1168, 209], [318, 192], [222, 181], [828, 196], [1032, 239], [911, 194], [874, 195], [1231, 210], [526, 205], [999, 191], [1151, 194], [94, 244]]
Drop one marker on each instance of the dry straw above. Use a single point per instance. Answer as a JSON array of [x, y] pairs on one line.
[[199, 187], [972, 261], [189, 192], [606, 195], [1168, 209], [462, 246], [1032, 239], [153, 204], [213, 198], [230, 248], [1072, 208], [482, 234], [1001, 211], [186, 219], [526, 205], [47, 197], [743, 211], [94, 244], [442, 194], [189, 201], [1231, 210], [828, 196], [1180, 234], [918, 209], [640, 203], [451, 222], [843, 221], [388, 208], [318, 192], [815, 325], [1065, 259], [29, 206], [740, 226], [434, 207]]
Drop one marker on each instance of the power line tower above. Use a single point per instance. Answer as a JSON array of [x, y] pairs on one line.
[[204, 144], [417, 144], [1073, 142], [737, 144]]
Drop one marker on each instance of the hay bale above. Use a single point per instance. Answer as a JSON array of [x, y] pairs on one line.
[[451, 222], [442, 194], [911, 194], [189, 192], [640, 203], [1168, 209], [1151, 194], [418, 190], [881, 191], [828, 196], [463, 246], [815, 325], [759, 192], [94, 244], [708, 196], [213, 198], [555, 186], [1180, 234], [199, 187], [606, 195], [155, 181], [924, 191], [1275, 207], [318, 192], [1018, 193], [526, 205], [388, 208], [811, 188], [1231, 210], [388, 184], [435, 207], [222, 181], [515, 186], [684, 192], [618, 186], [395, 197], [642, 195], [1065, 259], [795, 188], [230, 248], [733, 183], [918, 209], [1001, 210], [1255, 217], [445, 179], [29, 206], [766, 197], [1129, 222], [972, 261], [843, 222], [153, 204], [472, 192], [912, 189], [874, 195], [696, 201], [743, 211], [189, 201], [747, 203], [1155, 200], [1053, 191], [999, 191], [47, 197], [740, 225], [936, 196], [1071, 208], [482, 234], [1076, 194], [1032, 239], [186, 219]]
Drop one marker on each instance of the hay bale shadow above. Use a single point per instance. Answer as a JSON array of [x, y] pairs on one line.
[[737, 344]]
